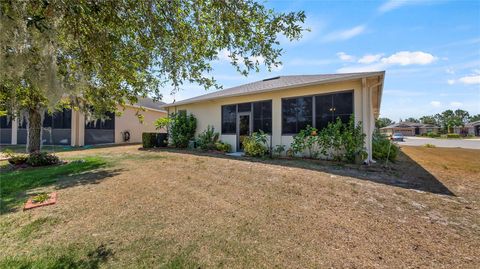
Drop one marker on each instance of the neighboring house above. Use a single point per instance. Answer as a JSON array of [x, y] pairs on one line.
[[69, 127], [409, 128], [471, 128], [282, 106]]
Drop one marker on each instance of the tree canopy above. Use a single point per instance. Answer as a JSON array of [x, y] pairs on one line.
[[99, 54]]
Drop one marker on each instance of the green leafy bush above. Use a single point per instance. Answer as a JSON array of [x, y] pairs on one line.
[[279, 149], [256, 144], [207, 139], [181, 129], [17, 158], [353, 141], [383, 148], [432, 135], [149, 140], [453, 136], [40, 198], [223, 147], [42, 159], [337, 141], [306, 139]]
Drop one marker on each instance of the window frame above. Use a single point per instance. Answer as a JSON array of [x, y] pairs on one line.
[[221, 119], [271, 115], [252, 116], [314, 108]]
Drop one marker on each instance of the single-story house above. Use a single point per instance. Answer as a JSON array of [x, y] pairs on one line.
[[282, 106], [409, 128], [471, 128], [70, 127]]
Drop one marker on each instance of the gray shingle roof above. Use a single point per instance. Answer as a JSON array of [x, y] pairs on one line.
[[473, 123], [149, 103], [406, 124], [277, 83]]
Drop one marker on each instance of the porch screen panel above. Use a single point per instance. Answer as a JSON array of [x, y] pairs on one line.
[[229, 119], [100, 131], [5, 130], [297, 114], [262, 116]]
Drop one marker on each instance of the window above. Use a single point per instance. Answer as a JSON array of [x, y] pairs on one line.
[[102, 124], [262, 116], [6, 122], [229, 119], [297, 113], [245, 107], [329, 107], [59, 119], [316, 111], [182, 112]]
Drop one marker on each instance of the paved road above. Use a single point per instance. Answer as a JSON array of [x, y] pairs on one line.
[[442, 143]]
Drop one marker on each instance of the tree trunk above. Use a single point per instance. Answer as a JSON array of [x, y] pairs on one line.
[[34, 130]]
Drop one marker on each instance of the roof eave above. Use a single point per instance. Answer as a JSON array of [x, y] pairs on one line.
[[332, 80]]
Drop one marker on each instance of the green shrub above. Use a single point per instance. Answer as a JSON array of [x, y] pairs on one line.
[[223, 147], [149, 140], [181, 128], [432, 135], [337, 141], [428, 145], [306, 139], [17, 158], [256, 144], [383, 148], [353, 141], [207, 139], [42, 159], [279, 149], [453, 136]]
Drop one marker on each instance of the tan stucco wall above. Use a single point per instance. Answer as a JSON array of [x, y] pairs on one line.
[[128, 121], [209, 112]]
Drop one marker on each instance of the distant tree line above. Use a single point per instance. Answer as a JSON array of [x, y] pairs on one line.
[[446, 120]]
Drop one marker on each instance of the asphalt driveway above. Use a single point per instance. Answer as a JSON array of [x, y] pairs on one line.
[[442, 143]]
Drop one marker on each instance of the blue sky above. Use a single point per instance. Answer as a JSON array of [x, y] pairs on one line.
[[430, 50]]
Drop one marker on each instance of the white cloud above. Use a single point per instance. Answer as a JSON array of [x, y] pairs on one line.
[[345, 34], [410, 57], [345, 57], [376, 62], [370, 58], [456, 104], [391, 5], [435, 103], [472, 79]]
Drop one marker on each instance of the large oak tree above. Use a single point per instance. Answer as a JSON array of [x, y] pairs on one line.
[[98, 54]]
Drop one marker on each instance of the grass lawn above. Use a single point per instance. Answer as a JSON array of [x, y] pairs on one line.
[[126, 208]]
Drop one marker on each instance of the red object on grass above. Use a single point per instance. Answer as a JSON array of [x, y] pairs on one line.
[[51, 200]]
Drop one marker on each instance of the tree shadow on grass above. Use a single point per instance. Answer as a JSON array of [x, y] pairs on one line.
[[16, 186], [404, 173]]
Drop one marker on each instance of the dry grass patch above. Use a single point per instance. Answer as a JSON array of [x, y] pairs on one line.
[[177, 210]]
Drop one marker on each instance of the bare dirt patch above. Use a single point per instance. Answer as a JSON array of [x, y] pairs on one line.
[[166, 208]]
